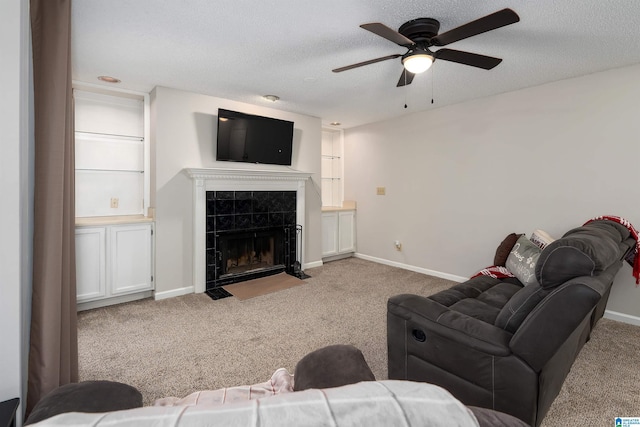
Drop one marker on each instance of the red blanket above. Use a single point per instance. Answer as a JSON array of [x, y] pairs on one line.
[[495, 271]]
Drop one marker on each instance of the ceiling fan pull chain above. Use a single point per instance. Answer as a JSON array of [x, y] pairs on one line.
[[404, 74], [431, 85]]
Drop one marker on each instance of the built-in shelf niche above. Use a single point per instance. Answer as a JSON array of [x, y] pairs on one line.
[[111, 152], [332, 167]]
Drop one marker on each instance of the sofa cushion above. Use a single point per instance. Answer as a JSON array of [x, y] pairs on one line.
[[504, 249], [472, 288], [522, 260], [476, 309], [617, 231], [519, 306], [481, 297], [583, 251]]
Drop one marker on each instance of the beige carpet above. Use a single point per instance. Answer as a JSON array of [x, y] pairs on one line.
[[176, 346], [262, 286]]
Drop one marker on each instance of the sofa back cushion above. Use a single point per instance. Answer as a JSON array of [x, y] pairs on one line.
[[583, 251]]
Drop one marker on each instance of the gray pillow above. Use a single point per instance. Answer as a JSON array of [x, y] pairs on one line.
[[522, 260]]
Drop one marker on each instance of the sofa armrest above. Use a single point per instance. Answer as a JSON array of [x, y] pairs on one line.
[[554, 319], [88, 397], [435, 318]]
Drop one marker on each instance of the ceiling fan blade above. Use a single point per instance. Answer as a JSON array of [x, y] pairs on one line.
[[388, 33], [468, 58], [360, 64], [487, 23], [405, 78]]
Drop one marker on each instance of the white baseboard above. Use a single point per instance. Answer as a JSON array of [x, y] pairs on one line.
[[313, 264], [434, 273], [621, 317], [174, 293], [113, 300], [337, 257]]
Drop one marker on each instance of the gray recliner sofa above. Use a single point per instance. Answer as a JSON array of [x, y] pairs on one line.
[[498, 344]]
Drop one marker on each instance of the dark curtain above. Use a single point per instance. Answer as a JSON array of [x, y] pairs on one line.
[[53, 353]]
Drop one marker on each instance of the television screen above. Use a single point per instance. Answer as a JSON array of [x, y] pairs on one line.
[[253, 139]]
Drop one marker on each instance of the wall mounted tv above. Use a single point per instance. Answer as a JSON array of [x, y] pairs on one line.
[[253, 139]]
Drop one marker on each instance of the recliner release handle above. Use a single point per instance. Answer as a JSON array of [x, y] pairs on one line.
[[419, 335]]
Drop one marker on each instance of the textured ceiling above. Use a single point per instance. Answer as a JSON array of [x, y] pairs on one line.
[[243, 49]]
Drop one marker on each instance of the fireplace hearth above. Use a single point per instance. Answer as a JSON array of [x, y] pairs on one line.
[[250, 234]]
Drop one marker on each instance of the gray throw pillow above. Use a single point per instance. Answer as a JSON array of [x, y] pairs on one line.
[[522, 260]]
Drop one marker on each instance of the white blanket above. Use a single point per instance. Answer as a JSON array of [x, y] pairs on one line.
[[369, 403]]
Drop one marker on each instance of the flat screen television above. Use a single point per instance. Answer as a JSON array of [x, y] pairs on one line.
[[253, 139]]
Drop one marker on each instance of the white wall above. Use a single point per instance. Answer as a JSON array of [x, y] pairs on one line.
[[460, 178], [184, 136], [15, 193]]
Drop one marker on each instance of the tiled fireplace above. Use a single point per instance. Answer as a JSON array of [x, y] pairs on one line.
[[250, 234], [247, 224]]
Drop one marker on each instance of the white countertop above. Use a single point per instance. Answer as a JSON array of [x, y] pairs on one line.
[[111, 220], [347, 205]]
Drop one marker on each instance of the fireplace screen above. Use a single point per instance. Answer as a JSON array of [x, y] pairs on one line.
[[248, 252]]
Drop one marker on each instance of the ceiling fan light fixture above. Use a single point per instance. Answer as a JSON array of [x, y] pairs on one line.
[[417, 61]]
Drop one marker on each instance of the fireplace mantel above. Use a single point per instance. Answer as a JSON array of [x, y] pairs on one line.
[[246, 174], [221, 179]]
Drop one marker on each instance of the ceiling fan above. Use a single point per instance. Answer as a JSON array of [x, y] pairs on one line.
[[418, 35]]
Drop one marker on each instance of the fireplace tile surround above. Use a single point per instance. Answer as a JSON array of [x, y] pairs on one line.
[[237, 221], [231, 208]]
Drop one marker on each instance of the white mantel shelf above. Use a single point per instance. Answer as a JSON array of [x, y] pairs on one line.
[[221, 179], [246, 174]]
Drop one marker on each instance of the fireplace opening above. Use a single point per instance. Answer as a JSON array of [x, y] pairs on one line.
[[252, 252]]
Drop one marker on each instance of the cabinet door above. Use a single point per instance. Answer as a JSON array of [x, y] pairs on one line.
[[329, 233], [130, 257], [347, 231], [90, 264]]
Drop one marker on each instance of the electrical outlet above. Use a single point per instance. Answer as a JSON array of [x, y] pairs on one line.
[[398, 245], [380, 191], [114, 202]]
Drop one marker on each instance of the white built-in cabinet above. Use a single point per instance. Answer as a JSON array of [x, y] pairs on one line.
[[338, 233], [114, 224], [91, 263], [114, 263]]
